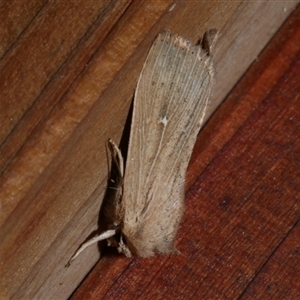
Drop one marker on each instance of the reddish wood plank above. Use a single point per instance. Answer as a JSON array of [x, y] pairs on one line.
[[240, 207], [279, 276]]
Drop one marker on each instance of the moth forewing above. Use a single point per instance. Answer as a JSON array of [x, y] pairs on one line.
[[171, 100], [170, 103]]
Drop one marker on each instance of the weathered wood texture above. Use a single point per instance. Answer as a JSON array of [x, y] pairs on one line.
[[240, 238], [68, 71]]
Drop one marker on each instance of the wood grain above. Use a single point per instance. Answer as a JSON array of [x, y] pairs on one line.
[[278, 277], [68, 73], [15, 17]]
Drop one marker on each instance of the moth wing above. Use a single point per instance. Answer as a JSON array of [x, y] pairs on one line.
[[170, 103]]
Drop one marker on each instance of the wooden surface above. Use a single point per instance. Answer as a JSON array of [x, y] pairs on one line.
[[68, 72]]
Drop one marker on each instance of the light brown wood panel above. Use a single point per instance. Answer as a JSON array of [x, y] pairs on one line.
[[40, 51], [55, 90], [15, 17], [58, 113]]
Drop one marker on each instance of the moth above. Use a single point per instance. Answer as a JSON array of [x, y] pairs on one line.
[[170, 103]]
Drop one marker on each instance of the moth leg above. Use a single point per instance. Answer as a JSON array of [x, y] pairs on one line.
[[105, 235], [122, 248]]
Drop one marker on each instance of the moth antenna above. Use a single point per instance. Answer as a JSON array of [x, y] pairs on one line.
[[105, 235]]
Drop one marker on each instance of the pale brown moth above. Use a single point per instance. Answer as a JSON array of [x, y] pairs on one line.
[[171, 100]]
